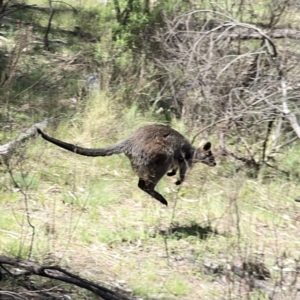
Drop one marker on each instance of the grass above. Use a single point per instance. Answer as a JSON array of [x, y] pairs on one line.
[[88, 214]]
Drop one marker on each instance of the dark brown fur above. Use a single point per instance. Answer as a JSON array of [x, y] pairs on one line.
[[153, 150]]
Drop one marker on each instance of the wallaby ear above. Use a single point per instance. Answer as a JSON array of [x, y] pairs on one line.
[[204, 145]]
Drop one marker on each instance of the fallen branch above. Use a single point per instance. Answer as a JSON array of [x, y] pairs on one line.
[[45, 9], [58, 273], [276, 34], [8, 148]]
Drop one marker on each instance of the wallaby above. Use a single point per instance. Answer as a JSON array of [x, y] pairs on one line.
[[153, 150]]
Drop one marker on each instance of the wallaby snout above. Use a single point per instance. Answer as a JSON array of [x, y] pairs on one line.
[[210, 163], [209, 160]]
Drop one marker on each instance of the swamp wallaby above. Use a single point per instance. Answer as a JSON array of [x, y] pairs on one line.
[[153, 150]]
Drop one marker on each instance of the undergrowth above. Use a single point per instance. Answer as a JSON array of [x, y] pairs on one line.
[[62, 208], [88, 214]]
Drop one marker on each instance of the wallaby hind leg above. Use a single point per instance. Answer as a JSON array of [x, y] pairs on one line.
[[148, 187]]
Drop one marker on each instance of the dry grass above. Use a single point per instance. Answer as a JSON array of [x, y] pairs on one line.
[[89, 216]]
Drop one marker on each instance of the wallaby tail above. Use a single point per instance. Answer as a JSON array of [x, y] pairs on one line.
[[114, 149]]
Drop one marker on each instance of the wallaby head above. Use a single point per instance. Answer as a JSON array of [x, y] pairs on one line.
[[203, 154], [189, 157], [153, 150]]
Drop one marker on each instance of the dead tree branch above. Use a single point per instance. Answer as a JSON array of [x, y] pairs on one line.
[[58, 273], [276, 34], [215, 76], [8, 149]]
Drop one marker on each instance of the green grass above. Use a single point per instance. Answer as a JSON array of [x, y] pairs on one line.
[[88, 210], [87, 214]]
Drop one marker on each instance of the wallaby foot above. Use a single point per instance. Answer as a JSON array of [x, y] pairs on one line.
[[172, 173], [148, 187]]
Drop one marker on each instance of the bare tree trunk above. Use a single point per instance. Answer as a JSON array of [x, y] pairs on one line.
[[286, 111]]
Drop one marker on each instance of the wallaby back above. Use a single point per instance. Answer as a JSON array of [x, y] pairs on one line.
[[151, 142], [153, 150]]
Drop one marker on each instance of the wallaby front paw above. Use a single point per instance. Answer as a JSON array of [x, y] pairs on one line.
[[178, 182]]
